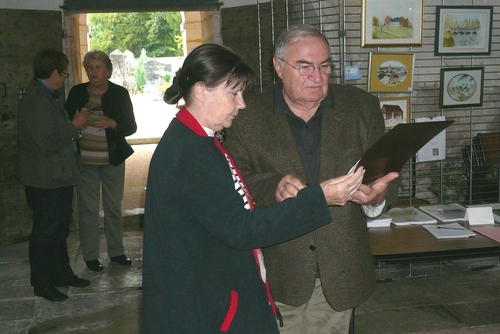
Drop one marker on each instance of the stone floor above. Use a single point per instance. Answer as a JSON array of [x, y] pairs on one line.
[[451, 303], [444, 298]]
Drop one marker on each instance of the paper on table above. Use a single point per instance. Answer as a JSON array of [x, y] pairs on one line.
[[382, 220], [396, 147], [490, 232], [445, 212], [494, 206], [480, 216], [449, 231], [409, 216]]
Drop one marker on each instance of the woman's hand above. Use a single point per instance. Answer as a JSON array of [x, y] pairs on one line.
[[104, 122], [288, 187]]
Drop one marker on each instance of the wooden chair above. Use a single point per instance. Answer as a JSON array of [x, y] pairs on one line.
[[481, 160]]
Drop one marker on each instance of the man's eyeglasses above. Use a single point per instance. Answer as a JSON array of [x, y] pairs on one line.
[[307, 69], [90, 111], [66, 74]]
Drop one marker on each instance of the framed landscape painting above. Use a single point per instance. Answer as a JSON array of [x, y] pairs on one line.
[[461, 87], [463, 30], [391, 23], [391, 72]]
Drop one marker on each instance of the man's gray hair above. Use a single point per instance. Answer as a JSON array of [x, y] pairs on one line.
[[294, 34]]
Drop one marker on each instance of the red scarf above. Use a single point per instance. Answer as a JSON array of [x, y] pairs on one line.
[[185, 117]]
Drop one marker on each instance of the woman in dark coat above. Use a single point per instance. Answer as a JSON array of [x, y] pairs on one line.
[[203, 269]]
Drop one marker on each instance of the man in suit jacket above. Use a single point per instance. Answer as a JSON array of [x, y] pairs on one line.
[[303, 132]]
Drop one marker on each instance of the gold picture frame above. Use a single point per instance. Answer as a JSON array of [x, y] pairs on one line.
[[396, 110], [391, 23], [391, 72]]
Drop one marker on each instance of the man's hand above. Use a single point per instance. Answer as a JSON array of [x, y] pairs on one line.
[[341, 189], [288, 187], [375, 192], [80, 119]]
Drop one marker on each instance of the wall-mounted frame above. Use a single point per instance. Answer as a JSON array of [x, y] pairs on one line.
[[391, 72], [463, 30], [395, 110], [461, 87], [391, 23]]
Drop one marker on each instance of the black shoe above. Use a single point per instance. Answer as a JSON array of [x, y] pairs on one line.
[[51, 294], [122, 259], [94, 265], [74, 281]]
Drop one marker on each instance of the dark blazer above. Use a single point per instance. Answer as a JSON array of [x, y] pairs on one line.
[[263, 147], [198, 240], [116, 104], [46, 156]]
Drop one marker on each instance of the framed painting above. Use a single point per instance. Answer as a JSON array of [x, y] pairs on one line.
[[391, 23], [463, 30], [395, 110], [461, 87], [391, 72]]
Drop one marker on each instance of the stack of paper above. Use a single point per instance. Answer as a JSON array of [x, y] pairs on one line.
[[445, 212], [382, 220], [409, 216], [449, 231]]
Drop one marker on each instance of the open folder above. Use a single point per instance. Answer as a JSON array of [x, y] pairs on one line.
[[397, 146]]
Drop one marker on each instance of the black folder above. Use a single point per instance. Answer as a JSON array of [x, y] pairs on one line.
[[397, 146]]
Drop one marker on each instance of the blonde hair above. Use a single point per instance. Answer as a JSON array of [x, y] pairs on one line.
[[99, 56]]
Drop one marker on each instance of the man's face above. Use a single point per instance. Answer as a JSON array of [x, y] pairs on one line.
[[304, 90]]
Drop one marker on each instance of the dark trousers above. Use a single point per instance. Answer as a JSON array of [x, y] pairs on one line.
[[48, 251]]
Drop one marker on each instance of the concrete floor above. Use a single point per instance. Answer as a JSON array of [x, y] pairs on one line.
[[459, 301]]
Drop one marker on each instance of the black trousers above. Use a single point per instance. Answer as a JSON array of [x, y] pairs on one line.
[[48, 250]]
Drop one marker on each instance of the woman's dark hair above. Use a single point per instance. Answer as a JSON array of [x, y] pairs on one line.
[[211, 64], [48, 60]]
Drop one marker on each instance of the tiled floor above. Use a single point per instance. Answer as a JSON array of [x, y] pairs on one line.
[[111, 304]]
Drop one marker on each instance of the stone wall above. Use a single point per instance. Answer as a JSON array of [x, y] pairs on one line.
[[22, 34]]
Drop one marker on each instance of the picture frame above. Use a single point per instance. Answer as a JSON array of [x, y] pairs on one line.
[[391, 23], [461, 87], [463, 30], [396, 110], [391, 72]]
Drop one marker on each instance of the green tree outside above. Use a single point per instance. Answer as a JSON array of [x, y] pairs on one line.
[[156, 32], [139, 73]]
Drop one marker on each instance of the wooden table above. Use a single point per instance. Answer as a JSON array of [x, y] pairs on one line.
[[413, 242]]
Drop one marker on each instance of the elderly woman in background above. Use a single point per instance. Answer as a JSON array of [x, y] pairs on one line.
[[203, 269], [103, 150]]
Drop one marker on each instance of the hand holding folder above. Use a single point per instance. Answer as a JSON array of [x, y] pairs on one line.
[[396, 147]]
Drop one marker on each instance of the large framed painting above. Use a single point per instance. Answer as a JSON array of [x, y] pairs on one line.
[[461, 87], [391, 72], [463, 30], [391, 23]]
